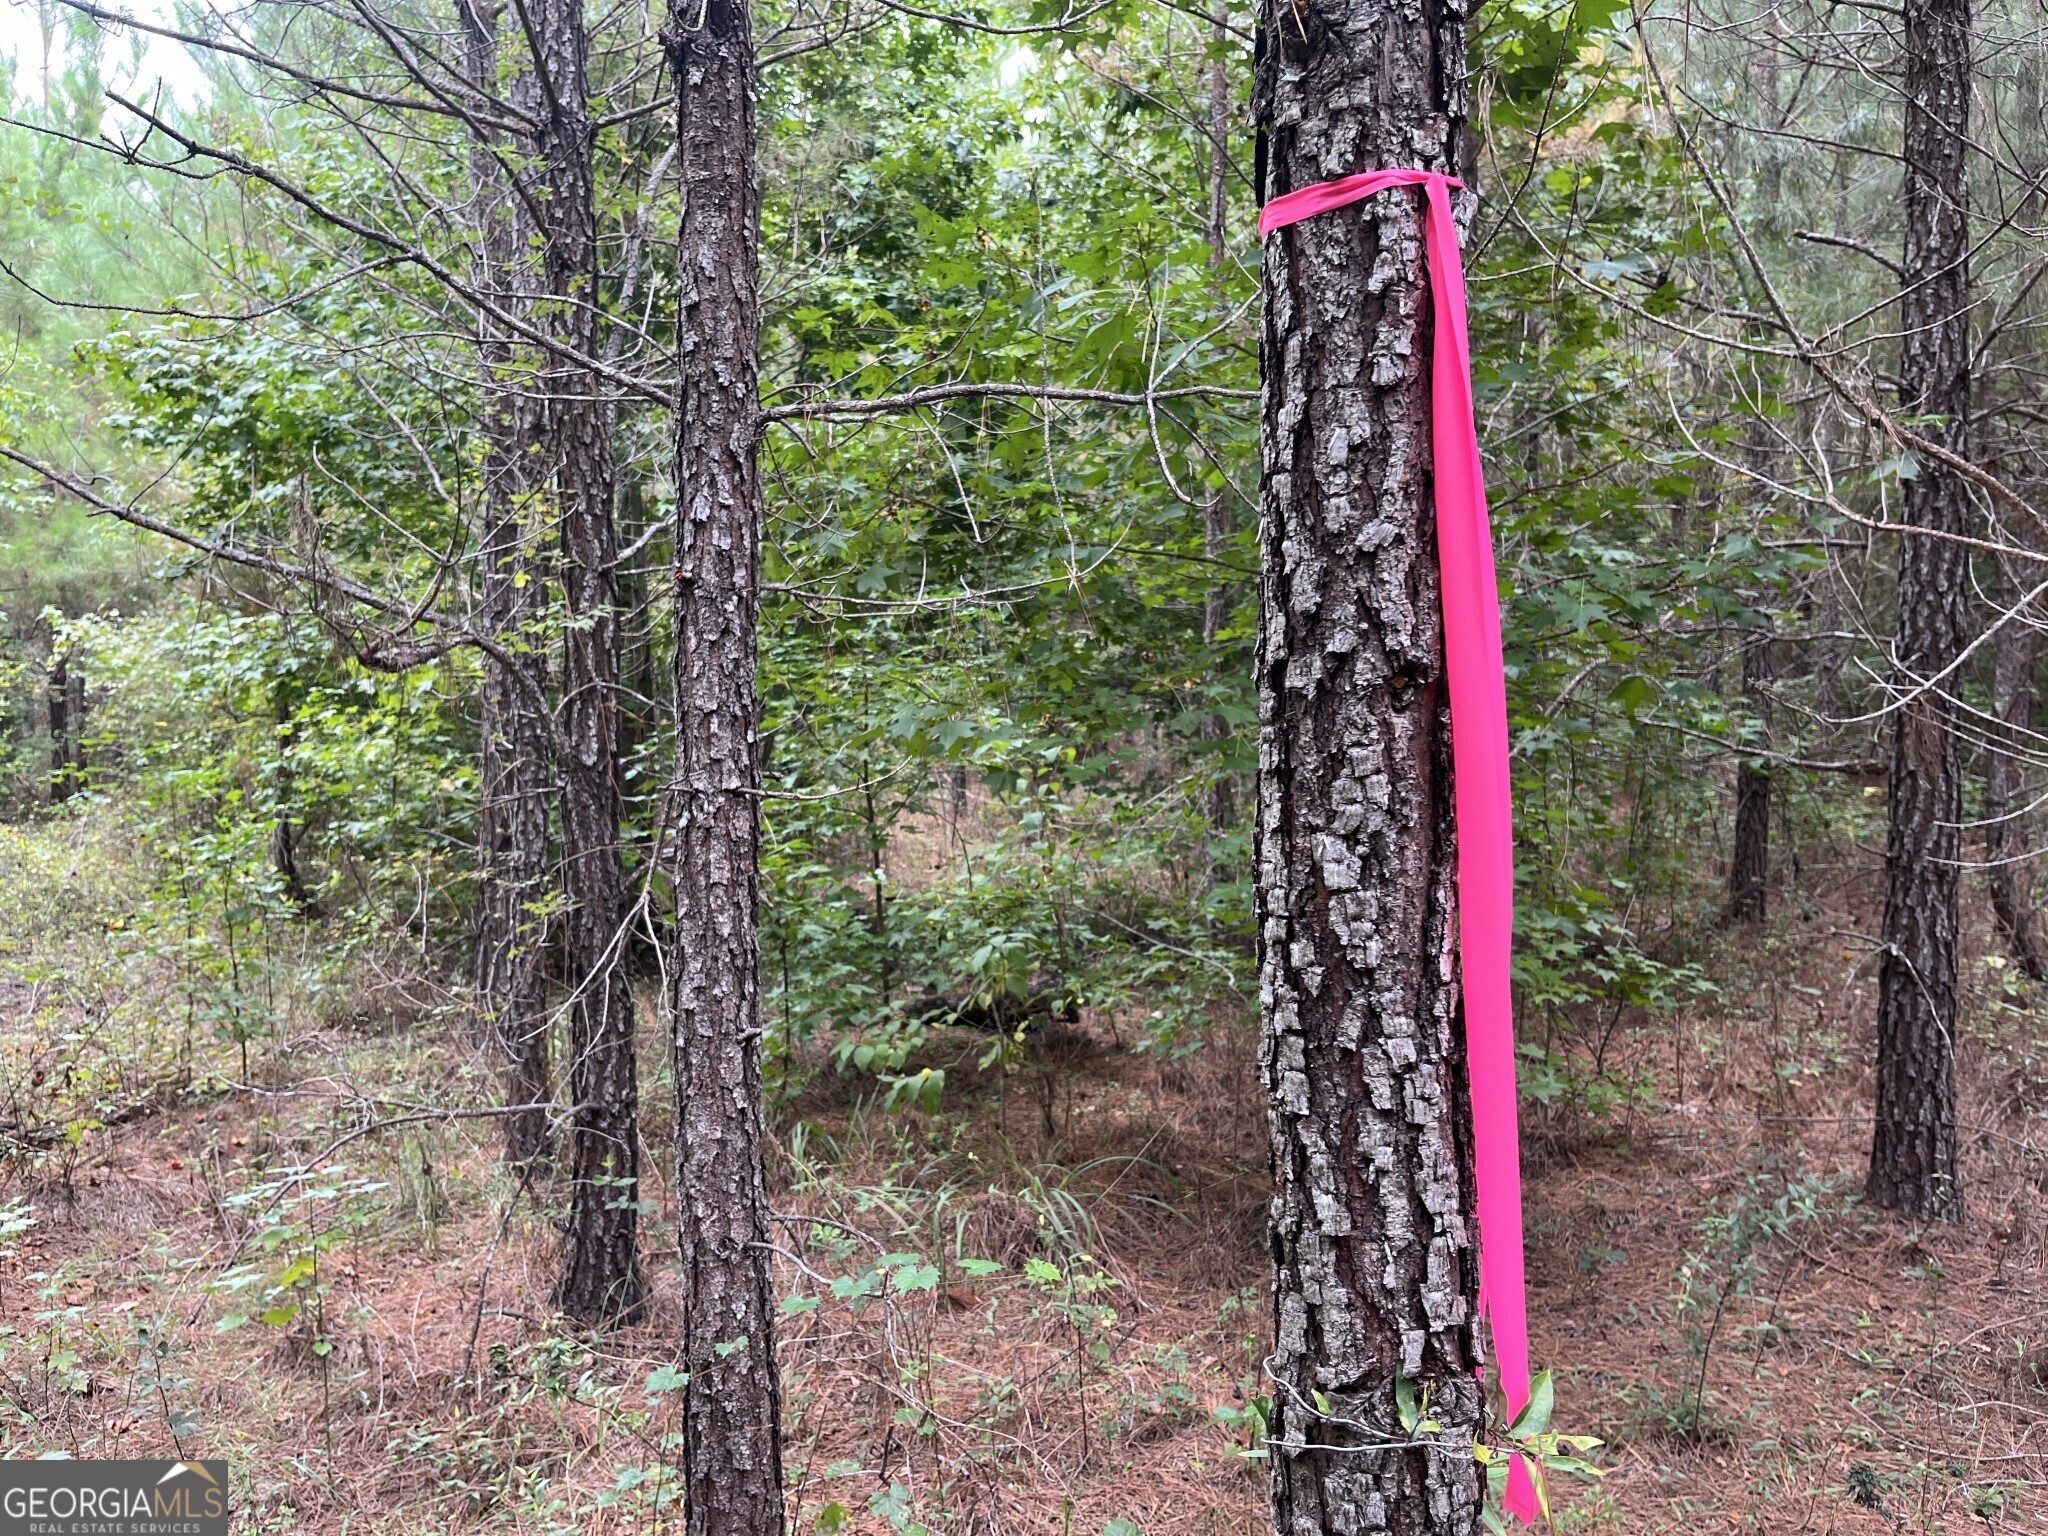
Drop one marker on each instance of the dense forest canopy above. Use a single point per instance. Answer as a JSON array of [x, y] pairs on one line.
[[621, 624]]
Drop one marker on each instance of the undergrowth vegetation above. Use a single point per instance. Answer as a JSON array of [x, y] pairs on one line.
[[255, 1200], [1037, 1289]]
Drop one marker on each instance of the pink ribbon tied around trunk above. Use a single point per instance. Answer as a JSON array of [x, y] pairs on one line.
[[1479, 747]]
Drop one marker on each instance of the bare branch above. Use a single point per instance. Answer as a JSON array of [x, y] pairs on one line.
[[277, 65], [413, 254], [1817, 238], [939, 394]]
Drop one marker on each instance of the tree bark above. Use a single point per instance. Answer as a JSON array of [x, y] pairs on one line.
[[2016, 653], [600, 1277], [1375, 1260], [1913, 1154], [1749, 866], [732, 1404], [513, 790]]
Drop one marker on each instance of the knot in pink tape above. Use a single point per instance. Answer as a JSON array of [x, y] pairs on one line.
[[1479, 746]]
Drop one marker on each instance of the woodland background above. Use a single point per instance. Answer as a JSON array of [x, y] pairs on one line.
[[256, 1198]]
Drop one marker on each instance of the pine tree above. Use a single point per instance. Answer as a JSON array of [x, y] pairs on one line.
[[1913, 1155], [512, 790], [1373, 1241], [732, 1404], [600, 1265]]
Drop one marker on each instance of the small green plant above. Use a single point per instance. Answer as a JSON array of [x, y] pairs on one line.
[[1866, 1485], [921, 1089], [893, 1506], [1993, 1500], [156, 1375], [892, 1274], [305, 1217], [1657, 1411], [1530, 1436], [1248, 1421], [1727, 1269], [1075, 1294], [1551, 1076], [17, 1218], [1172, 1402]]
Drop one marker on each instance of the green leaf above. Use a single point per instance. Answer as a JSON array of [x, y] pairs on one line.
[[1534, 1418], [1405, 1404], [848, 1287], [297, 1272], [665, 1378], [916, 1277], [1634, 693]]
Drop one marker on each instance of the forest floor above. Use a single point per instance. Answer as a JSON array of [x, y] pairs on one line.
[[1059, 1319]]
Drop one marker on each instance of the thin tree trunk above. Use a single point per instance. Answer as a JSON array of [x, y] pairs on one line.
[[2019, 643], [512, 815], [640, 700], [76, 683], [1217, 523], [1827, 652], [62, 781], [642, 708], [1913, 1154], [1749, 867], [284, 834], [600, 1265], [732, 1405], [2016, 653], [1375, 1260], [511, 953], [1749, 863]]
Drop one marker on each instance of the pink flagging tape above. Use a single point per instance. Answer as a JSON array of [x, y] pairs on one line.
[[1479, 745]]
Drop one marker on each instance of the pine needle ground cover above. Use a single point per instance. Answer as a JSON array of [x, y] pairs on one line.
[[1036, 1306]]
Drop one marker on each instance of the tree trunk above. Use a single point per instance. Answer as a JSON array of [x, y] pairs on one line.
[[1376, 1263], [63, 782], [600, 1265], [512, 813], [76, 684], [1913, 1154], [511, 951], [1749, 862], [643, 705], [732, 1405], [2016, 653], [284, 833], [2019, 644], [1749, 867], [1827, 653], [1217, 523]]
